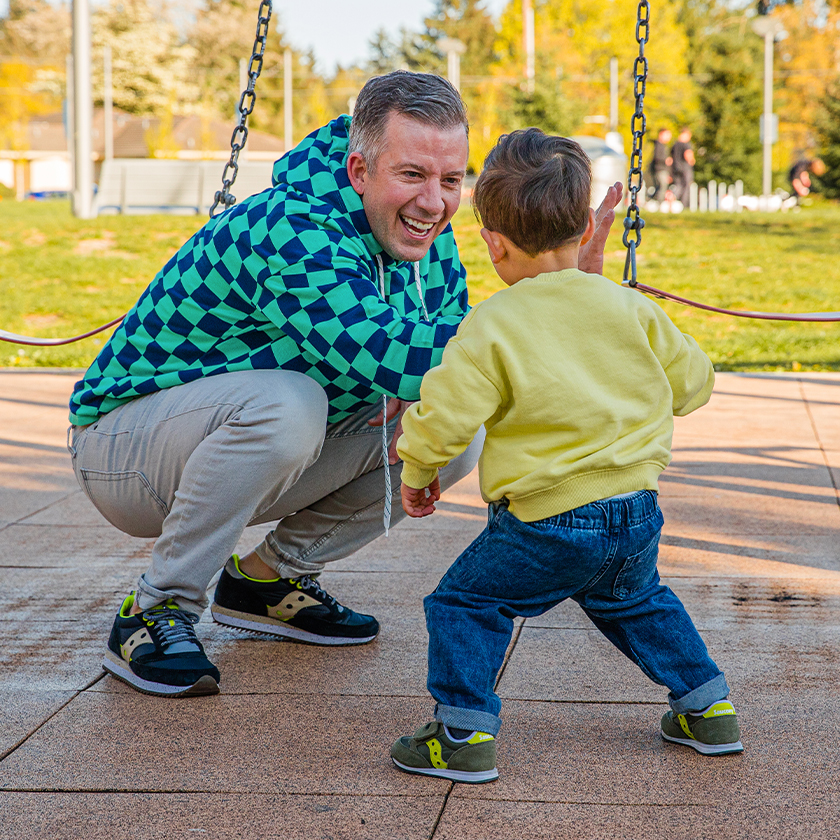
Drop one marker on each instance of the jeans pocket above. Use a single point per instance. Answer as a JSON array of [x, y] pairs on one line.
[[126, 500], [637, 570]]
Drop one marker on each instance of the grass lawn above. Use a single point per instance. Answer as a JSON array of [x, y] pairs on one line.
[[60, 276]]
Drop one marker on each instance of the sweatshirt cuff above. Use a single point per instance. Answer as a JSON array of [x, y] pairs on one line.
[[418, 477]]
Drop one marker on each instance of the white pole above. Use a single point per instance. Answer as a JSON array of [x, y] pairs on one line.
[[83, 104], [528, 26], [767, 166], [613, 94], [70, 128], [287, 98], [108, 103]]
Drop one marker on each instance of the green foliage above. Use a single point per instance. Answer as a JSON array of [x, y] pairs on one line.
[[728, 69], [828, 131]]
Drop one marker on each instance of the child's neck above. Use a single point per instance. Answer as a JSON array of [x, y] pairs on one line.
[[559, 259]]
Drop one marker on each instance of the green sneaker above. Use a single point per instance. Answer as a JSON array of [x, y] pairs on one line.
[[714, 731], [432, 752]]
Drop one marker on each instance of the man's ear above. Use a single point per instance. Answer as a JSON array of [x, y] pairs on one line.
[[590, 228], [357, 171], [495, 245]]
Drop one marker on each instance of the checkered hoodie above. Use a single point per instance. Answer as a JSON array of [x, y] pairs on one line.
[[286, 279]]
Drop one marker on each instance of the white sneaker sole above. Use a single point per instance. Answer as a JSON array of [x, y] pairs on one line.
[[119, 668], [705, 749], [271, 627], [475, 777]]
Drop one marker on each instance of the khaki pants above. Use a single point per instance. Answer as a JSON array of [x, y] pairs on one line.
[[195, 464]]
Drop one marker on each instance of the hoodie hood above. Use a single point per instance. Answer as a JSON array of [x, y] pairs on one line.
[[316, 170]]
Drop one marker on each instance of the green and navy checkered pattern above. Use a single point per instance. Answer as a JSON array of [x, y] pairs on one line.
[[287, 279]]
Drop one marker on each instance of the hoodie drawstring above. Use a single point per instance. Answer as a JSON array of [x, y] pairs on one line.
[[387, 514]]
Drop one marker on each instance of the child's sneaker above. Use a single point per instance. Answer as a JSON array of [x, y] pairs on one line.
[[432, 751], [713, 731], [157, 652], [296, 608]]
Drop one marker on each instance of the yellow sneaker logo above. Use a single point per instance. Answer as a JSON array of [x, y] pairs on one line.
[[436, 754], [719, 709], [479, 737]]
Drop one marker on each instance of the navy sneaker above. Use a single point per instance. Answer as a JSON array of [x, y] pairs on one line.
[[157, 652], [293, 608]]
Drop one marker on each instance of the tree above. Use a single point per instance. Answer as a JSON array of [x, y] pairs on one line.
[[152, 68], [828, 132]]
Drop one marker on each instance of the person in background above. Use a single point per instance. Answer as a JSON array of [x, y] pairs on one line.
[[682, 168], [799, 177], [660, 165]]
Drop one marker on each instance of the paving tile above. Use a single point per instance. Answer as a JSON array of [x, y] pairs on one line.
[[722, 511], [703, 551], [580, 665], [224, 816], [613, 754], [299, 745], [745, 602], [69, 545], [495, 820], [22, 710], [72, 508]]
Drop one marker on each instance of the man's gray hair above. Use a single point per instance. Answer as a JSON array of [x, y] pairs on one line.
[[423, 97]]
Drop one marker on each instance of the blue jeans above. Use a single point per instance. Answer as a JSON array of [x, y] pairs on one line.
[[603, 555]]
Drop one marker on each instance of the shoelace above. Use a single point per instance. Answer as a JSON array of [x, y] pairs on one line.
[[307, 582], [173, 626]]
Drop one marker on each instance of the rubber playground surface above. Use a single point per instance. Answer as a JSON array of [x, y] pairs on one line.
[[296, 745]]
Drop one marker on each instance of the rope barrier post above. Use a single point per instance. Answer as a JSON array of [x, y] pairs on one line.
[[633, 220]]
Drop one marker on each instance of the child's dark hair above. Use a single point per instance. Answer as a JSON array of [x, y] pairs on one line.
[[535, 190]]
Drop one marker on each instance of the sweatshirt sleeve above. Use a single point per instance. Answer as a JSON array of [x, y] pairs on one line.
[[689, 370], [456, 398]]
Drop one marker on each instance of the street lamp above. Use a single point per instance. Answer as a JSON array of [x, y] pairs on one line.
[[453, 49], [771, 29]]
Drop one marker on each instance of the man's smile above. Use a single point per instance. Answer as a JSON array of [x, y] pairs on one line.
[[416, 228]]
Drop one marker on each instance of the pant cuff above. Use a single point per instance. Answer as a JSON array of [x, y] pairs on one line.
[[147, 596], [700, 698], [284, 564], [471, 719]]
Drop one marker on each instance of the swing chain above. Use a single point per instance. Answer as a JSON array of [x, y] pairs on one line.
[[633, 221], [246, 106]]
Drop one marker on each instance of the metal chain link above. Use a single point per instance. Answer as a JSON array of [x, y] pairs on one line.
[[246, 106], [633, 221]]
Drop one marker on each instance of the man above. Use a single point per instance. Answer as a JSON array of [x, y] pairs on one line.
[[244, 386], [660, 164], [683, 166]]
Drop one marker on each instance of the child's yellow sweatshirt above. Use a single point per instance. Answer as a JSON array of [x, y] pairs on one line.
[[576, 380]]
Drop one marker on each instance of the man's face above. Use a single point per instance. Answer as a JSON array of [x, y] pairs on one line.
[[415, 187]]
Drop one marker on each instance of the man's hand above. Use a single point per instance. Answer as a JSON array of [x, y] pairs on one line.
[[421, 502], [591, 258], [395, 407]]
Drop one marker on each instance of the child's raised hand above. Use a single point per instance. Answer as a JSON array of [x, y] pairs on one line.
[[420, 502]]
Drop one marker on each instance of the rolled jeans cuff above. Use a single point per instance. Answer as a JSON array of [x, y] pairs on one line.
[[470, 719], [286, 566], [147, 596], [701, 697]]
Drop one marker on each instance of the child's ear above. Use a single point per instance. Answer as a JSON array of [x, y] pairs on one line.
[[495, 245], [590, 228]]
